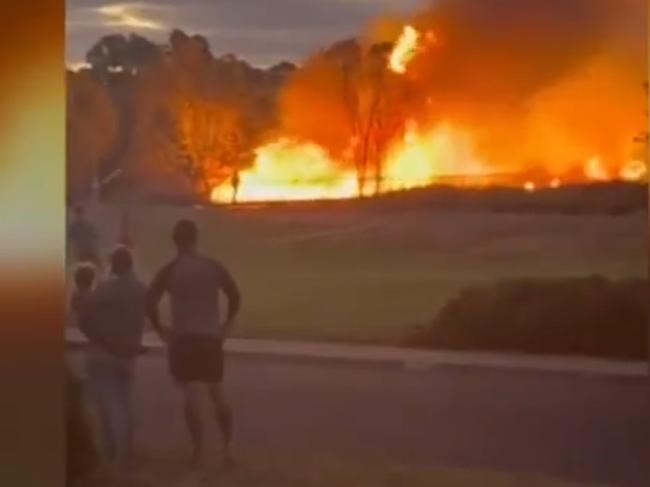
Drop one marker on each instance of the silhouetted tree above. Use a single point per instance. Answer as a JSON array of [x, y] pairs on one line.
[[117, 52], [91, 129]]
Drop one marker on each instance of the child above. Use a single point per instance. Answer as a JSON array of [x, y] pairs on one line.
[[82, 454], [84, 279]]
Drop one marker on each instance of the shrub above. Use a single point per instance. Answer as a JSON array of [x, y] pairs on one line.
[[577, 316]]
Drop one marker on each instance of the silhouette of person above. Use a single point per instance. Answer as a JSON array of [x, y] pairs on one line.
[[235, 185], [124, 237], [194, 283], [83, 238], [112, 317]]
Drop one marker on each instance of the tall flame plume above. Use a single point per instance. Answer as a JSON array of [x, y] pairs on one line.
[[404, 51], [291, 168]]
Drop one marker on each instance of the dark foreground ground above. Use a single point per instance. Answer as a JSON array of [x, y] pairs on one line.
[[571, 426]]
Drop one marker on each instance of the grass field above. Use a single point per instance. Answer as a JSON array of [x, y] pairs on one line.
[[370, 275]]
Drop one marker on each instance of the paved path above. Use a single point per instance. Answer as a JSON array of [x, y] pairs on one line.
[[409, 358], [590, 428]]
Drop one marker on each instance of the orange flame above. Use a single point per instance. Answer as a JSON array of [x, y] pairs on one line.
[[530, 186], [595, 170], [288, 170], [634, 171], [404, 51], [420, 159]]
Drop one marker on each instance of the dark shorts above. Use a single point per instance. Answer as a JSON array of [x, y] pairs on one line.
[[196, 358]]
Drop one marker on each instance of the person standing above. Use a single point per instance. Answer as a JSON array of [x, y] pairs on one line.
[[194, 283], [235, 185], [124, 236], [112, 318], [84, 238]]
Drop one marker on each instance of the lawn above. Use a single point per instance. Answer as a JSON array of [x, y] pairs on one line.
[[363, 274]]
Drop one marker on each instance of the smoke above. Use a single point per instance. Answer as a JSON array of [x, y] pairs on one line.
[[538, 82]]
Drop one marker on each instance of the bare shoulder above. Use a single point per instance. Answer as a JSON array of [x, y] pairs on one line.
[[217, 265]]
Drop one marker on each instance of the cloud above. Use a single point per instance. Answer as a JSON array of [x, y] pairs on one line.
[[262, 31], [129, 15]]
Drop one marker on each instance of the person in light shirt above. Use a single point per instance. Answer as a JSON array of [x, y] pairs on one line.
[[112, 318]]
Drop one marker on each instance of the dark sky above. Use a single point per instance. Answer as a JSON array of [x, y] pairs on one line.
[[261, 31]]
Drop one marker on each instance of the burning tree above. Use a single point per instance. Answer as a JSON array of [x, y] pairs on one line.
[[213, 140], [644, 136], [364, 96], [375, 98]]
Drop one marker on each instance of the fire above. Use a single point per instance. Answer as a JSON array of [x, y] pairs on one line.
[[595, 170], [420, 159], [288, 170], [291, 170], [405, 50], [634, 171], [550, 144]]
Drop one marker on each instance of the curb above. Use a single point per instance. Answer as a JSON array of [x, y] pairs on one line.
[[411, 359]]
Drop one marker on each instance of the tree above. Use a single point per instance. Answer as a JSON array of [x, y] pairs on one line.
[[644, 136], [213, 138], [91, 130], [363, 101], [117, 52], [148, 88], [383, 119]]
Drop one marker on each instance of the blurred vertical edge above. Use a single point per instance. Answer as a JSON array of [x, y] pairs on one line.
[[32, 128]]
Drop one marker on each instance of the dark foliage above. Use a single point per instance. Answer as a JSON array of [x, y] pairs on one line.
[[576, 316]]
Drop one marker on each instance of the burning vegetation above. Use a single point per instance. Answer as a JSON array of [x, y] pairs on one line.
[[465, 92]]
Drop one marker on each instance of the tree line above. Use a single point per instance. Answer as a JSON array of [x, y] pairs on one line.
[[170, 118], [175, 119]]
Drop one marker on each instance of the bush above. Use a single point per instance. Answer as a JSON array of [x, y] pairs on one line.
[[577, 316]]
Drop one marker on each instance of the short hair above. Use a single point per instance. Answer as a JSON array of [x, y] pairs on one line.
[[84, 276], [185, 233], [121, 260]]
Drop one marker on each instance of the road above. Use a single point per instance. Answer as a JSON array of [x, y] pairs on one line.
[[587, 428]]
